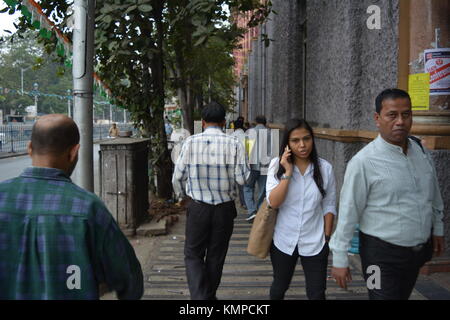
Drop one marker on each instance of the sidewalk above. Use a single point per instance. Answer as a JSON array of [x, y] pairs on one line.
[[246, 277]]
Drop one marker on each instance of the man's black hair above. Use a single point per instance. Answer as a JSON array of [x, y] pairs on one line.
[[54, 139], [389, 94], [261, 120], [213, 112]]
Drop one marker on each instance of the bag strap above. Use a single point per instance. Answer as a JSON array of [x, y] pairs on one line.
[[418, 141]]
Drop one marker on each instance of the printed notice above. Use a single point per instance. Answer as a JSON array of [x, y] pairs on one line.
[[419, 90], [437, 64]]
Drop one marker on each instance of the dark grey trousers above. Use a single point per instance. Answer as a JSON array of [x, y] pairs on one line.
[[399, 266], [208, 232], [314, 267]]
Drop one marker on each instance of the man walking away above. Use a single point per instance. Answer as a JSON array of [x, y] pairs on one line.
[[58, 241], [210, 163], [260, 144]]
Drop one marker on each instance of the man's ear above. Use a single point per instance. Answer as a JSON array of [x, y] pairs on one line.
[[29, 148], [73, 153], [376, 117]]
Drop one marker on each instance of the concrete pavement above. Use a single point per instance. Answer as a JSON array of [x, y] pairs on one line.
[[248, 278]]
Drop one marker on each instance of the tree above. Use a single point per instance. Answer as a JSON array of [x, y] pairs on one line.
[[25, 56], [141, 43]]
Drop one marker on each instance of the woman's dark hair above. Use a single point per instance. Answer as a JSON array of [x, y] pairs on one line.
[[290, 126]]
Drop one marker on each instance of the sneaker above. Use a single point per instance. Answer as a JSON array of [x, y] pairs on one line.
[[251, 217]]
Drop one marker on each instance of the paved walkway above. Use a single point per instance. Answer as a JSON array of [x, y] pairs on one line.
[[248, 278]]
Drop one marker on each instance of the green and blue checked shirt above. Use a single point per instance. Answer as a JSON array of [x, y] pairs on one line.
[[58, 241]]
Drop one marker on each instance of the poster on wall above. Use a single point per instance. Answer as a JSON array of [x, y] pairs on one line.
[[419, 91], [437, 64]]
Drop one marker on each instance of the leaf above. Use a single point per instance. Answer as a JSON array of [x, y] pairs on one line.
[[145, 8], [7, 31], [131, 8], [201, 40]]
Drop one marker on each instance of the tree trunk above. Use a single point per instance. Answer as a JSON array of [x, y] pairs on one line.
[[163, 165]]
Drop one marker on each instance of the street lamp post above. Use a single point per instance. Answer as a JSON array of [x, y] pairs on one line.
[[21, 76], [69, 93], [36, 87]]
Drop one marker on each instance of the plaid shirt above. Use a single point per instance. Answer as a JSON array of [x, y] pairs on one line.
[[210, 163], [58, 241]]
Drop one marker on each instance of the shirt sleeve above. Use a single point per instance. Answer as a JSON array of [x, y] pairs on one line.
[[241, 170], [351, 205], [272, 181], [119, 267], [437, 205], [329, 201], [179, 173]]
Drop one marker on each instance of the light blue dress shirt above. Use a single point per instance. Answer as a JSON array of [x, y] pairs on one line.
[[393, 196]]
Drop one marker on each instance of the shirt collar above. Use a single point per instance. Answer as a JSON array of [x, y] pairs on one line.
[[45, 173], [380, 142], [308, 170], [213, 128]]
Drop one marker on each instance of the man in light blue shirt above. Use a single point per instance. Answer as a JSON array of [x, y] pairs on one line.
[[390, 188]]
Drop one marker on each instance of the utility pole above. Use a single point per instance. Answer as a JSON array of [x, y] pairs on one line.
[[83, 58], [68, 103]]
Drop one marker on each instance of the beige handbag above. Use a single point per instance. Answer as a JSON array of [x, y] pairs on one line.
[[261, 234]]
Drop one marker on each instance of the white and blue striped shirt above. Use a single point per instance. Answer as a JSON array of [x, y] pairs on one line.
[[209, 166]]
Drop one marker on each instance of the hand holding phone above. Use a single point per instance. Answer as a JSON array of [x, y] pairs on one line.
[[287, 161]]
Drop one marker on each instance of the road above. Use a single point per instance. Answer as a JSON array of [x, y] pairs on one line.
[[12, 167]]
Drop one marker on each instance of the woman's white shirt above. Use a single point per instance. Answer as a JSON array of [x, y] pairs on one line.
[[300, 220]]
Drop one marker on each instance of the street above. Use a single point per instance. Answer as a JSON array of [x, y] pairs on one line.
[[12, 167]]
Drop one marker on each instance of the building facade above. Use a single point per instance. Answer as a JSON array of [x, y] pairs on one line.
[[329, 60]]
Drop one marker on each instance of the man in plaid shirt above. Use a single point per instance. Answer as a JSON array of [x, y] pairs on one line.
[[58, 241], [209, 165]]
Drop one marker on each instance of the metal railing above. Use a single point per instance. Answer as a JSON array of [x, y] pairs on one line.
[[14, 137]]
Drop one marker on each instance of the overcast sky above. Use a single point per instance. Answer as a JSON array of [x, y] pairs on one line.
[[6, 20]]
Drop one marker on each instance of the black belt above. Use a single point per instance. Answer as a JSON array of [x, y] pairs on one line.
[[209, 204], [416, 248]]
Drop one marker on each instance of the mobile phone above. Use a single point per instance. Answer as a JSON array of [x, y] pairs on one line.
[[291, 157]]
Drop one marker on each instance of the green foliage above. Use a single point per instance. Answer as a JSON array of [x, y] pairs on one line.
[[144, 47], [25, 54]]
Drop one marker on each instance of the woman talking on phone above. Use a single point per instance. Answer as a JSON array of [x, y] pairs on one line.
[[302, 186]]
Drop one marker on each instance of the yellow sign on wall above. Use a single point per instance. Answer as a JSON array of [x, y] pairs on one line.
[[419, 90]]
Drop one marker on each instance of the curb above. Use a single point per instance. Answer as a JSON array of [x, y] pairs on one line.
[[11, 155]]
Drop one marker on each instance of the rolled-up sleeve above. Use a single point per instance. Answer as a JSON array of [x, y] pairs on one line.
[[352, 203], [272, 181], [329, 201]]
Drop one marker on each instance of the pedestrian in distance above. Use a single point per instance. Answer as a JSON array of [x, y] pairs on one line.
[[208, 167], [259, 139], [240, 134], [58, 241], [114, 131], [390, 188], [302, 186]]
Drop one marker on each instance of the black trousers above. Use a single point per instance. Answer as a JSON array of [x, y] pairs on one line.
[[208, 232], [314, 267], [398, 267]]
